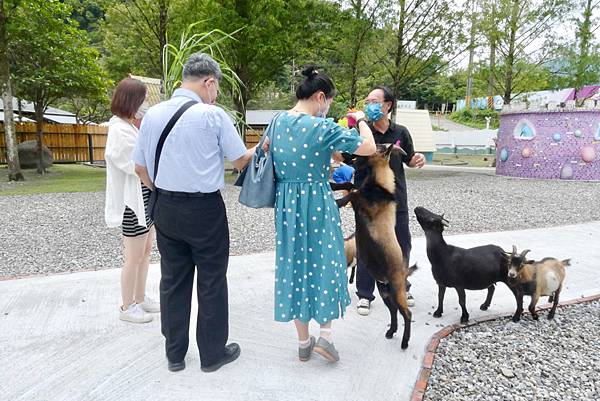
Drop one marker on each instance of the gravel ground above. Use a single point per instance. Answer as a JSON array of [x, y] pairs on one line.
[[66, 232], [540, 360]]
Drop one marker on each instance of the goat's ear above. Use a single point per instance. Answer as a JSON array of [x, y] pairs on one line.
[[388, 151], [444, 221]]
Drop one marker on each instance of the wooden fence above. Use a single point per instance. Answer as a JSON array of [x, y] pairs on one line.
[[252, 137], [67, 142], [78, 143]]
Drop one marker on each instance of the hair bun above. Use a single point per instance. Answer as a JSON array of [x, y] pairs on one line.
[[310, 71]]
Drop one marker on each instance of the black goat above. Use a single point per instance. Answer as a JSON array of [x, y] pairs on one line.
[[374, 207], [462, 269]]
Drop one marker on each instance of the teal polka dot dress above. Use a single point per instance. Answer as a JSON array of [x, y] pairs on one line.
[[310, 265]]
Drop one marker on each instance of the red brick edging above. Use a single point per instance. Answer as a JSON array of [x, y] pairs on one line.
[[423, 378]]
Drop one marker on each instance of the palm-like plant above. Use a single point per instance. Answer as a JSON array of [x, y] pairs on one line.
[[211, 42]]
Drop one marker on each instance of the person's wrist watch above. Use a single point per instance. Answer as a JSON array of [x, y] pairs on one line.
[[361, 119]]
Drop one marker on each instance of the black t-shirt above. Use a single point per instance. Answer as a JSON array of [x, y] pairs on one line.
[[394, 134]]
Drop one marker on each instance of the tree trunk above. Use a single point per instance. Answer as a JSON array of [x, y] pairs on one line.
[[355, 54], [584, 35], [163, 20], [12, 154], [399, 58], [510, 57], [242, 9], [471, 56], [491, 82], [39, 129]]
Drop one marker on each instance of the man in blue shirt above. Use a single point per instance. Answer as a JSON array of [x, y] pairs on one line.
[[189, 215]]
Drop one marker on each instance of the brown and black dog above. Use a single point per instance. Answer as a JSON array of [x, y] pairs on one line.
[[374, 204]]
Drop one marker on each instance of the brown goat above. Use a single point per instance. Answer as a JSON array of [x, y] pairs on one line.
[[536, 279], [374, 205], [350, 251]]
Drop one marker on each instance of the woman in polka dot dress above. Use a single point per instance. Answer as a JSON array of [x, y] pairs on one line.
[[310, 275]]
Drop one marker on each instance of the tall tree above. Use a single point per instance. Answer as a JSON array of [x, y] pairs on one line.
[[272, 34], [472, 46], [12, 154], [51, 59], [490, 18], [354, 38], [423, 38], [528, 23], [135, 34], [578, 60]]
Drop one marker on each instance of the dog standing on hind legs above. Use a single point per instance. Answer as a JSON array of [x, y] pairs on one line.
[[374, 205]]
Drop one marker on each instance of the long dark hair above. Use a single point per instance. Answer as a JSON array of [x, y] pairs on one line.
[[315, 81]]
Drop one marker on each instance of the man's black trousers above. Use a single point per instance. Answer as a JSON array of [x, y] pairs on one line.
[[193, 235]]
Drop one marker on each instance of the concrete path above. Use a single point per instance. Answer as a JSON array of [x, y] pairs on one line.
[[443, 122], [60, 338]]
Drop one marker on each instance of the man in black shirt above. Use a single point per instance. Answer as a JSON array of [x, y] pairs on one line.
[[379, 103]]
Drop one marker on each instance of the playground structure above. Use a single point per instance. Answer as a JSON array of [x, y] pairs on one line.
[[550, 142]]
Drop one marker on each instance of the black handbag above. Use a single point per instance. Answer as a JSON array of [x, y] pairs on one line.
[[159, 146]]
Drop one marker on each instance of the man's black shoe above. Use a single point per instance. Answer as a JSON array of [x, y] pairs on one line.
[[176, 366], [232, 352]]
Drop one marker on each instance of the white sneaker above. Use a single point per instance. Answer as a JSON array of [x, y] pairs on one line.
[[363, 306], [150, 305], [134, 314]]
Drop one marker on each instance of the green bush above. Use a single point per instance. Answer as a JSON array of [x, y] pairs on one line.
[[476, 118]]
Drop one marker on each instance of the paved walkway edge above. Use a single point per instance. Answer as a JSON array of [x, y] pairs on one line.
[[427, 365]]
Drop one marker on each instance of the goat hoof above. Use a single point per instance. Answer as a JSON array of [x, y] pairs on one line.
[[404, 344], [484, 307], [437, 314], [535, 316], [550, 316], [515, 319], [390, 334], [464, 319]]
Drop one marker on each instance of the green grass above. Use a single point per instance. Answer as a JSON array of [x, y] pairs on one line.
[[463, 160], [60, 178], [476, 118], [437, 128], [64, 178]]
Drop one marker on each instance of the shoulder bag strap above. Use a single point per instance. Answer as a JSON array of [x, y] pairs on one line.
[[166, 132]]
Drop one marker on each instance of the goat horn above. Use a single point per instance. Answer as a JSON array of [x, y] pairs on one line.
[[514, 251], [445, 223], [524, 253]]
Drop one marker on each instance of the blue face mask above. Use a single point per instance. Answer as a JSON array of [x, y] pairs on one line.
[[373, 111]]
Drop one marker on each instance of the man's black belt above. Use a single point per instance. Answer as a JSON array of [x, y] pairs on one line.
[[185, 194]]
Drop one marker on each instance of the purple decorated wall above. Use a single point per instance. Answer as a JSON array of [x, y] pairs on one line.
[[549, 144]]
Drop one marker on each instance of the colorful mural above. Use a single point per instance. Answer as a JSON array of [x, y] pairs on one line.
[[550, 144]]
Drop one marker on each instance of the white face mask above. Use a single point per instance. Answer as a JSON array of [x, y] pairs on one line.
[[322, 112], [142, 110]]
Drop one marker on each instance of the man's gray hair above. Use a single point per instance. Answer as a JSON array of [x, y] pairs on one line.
[[201, 65]]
